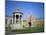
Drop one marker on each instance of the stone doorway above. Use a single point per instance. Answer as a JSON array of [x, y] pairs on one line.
[[17, 17], [29, 24]]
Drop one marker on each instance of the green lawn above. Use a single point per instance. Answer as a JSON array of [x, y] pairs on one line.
[[30, 30]]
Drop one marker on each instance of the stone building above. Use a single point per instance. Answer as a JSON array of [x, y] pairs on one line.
[[15, 21]]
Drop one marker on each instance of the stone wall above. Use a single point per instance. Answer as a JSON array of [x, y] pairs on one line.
[[24, 23], [38, 23]]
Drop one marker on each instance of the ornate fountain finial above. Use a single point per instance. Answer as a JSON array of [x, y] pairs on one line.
[[17, 10]]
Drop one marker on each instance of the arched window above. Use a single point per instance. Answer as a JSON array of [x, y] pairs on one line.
[[17, 16], [20, 15]]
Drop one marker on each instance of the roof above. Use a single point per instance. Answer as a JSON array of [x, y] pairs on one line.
[[17, 12]]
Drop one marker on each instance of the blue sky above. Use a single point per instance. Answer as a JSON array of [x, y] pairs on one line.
[[28, 8]]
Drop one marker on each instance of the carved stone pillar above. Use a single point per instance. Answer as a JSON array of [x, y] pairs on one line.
[[14, 19]]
